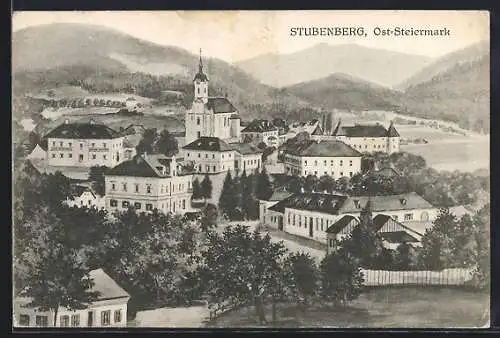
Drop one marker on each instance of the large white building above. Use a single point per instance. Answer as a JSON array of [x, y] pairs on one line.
[[212, 155], [109, 310], [84, 145], [364, 138], [311, 214], [333, 158], [149, 182], [210, 116]]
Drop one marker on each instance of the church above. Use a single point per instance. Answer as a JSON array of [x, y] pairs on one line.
[[210, 116]]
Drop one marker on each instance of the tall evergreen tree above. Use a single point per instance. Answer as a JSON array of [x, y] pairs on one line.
[[264, 187], [227, 201], [206, 188], [197, 194]]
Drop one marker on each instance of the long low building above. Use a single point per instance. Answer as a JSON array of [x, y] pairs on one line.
[[318, 158], [109, 310], [311, 214]]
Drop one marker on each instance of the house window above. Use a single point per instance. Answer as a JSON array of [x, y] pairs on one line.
[[113, 186], [149, 206], [300, 221], [137, 205], [183, 204], [317, 223], [93, 145], [215, 169], [198, 121], [62, 155], [322, 224], [325, 162], [222, 155], [24, 320], [104, 145], [350, 174], [53, 155], [42, 321], [53, 144], [350, 163], [125, 204], [341, 162], [213, 155], [70, 155], [315, 162], [75, 320], [148, 189], [206, 155], [105, 317], [113, 203], [408, 217], [187, 154], [61, 144], [341, 174], [93, 156], [103, 157], [64, 321], [199, 155], [118, 316], [294, 219], [124, 186], [70, 144], [305, 162]]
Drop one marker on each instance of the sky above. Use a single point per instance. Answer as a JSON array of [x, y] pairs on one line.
[[238, 35]]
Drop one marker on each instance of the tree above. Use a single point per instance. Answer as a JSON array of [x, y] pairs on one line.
[[363, 242], [209, 218], [146, 144], [242, 267], [167, 143], [437, 242], [196, 189], [302, 273], [247, 198], [227, 201], [481, 258], [341, 278], [402, 257], [96, 175], [264, 187], [206, 188], [57, 276]]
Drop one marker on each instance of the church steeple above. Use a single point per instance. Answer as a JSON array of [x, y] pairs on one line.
[[200, 83]]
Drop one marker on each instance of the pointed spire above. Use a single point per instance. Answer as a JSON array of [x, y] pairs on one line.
[[200, 67], [391, 131]]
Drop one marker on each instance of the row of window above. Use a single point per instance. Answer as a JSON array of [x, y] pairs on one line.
[[331, 162], [93, 156], [92, 145], [163, 188], [148, 206], [298, 220], [326, 173], [74, 320], [206, 155]]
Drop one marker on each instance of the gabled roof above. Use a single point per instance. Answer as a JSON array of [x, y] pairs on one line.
[[106, 286], [143, 166], [208, 144], [317, 131], [406, 201], [375, 130], [330, 148], [83, 131], [398, 237], [246, 148], [78, 190], [392, 132], [259, 126], [280, 194], [325, 203], [337, 227], [220, 105], [385, 172]]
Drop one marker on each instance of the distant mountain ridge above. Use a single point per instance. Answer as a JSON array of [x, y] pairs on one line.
[[384, 67], [448, 61]]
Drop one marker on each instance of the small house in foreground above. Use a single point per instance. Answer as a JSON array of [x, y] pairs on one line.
[[109, 310]]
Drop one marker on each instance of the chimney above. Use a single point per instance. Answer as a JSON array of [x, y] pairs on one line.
[[66, 121]]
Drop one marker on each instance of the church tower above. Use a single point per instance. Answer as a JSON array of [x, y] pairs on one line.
[[200, 84]]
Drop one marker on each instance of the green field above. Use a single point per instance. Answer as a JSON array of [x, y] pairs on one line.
[[405, 307]]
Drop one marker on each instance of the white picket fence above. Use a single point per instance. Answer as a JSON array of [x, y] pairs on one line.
[[458, 276]]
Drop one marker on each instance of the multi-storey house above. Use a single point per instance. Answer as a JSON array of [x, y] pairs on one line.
[[148, 182], [84, 145]]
